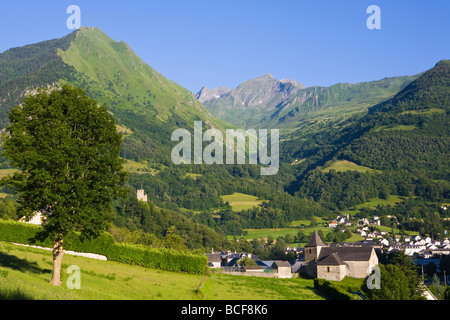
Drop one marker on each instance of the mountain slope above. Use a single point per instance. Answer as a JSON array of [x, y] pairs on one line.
[[251, 101], [269, 103], [404, 141], [147, 106], [413, 127]]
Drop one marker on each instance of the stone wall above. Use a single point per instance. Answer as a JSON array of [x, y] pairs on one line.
[[332, 273]]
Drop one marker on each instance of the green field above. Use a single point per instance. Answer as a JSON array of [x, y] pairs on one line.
[[275, 233], [293, 229], [344, 165], [193, 176], [25, 273], [132, 166], [240, 201], [391, 200], [6, 172]]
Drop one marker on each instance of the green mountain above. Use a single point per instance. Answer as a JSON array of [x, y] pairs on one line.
[[146, 105], [266, 102], [400, 148]]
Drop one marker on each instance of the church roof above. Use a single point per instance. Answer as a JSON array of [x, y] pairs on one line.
[[347, 253], [315, 240], [331, 260]]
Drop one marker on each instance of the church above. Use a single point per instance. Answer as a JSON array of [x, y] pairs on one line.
[[334, 263]]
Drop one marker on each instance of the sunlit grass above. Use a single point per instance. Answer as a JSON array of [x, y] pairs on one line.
[[240, 201], [25, 273]]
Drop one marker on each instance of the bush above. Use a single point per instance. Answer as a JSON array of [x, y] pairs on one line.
[[165, 259], [332, 291]]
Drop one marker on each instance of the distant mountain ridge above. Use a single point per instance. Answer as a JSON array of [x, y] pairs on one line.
[[260, 95], [266, 102]]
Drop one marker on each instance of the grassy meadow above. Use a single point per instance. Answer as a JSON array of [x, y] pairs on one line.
[[344, 165], [25, 273], [240, 201]]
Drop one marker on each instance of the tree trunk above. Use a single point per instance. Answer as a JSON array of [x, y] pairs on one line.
[[57, 261]]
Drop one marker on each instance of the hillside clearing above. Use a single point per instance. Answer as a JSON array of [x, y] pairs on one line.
[[240, 201], [344, 165]]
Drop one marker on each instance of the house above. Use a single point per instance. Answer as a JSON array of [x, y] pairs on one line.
[[420, 242], [371, 235], [426, 254], [37, 219], [341, 219], [214, 260], [441, 251], [231, 259], [297, 266], [376, 222], [363, 222], [410, 249], [284, 269], [333, 224], [334, 262], [290, 249]]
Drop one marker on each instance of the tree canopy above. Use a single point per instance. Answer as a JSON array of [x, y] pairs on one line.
[[66, 148]]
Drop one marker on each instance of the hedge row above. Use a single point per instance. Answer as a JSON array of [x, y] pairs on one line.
[[164, 259]]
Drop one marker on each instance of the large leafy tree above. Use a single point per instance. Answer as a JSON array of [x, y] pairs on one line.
[[67, 149], [399, 280]]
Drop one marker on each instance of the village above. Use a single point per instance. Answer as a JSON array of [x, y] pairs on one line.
[[334, 261]]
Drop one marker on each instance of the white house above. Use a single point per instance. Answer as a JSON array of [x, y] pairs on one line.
[[411, 249], [37, 219], [333, 224]]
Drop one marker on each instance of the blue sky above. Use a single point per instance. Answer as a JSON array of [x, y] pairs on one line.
[[223, 43]]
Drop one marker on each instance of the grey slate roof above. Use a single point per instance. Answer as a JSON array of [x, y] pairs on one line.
[[333, 260], [214, 257], [279, 264], [347, 253], [315, 240]]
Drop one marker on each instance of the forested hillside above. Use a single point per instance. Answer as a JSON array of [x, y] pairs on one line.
[[404, 141]]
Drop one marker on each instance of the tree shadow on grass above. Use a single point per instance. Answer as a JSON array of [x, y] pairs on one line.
[[15, 294], [22, 265]]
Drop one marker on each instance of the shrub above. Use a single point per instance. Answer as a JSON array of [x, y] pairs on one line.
[[332, 291]]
